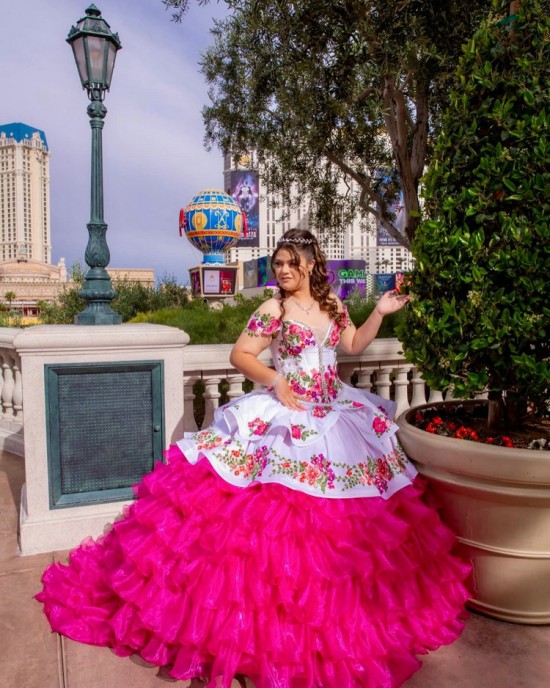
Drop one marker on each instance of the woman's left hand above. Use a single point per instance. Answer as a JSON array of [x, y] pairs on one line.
[[391, 302]]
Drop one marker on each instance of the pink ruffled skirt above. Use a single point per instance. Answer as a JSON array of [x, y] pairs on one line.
[[293, 591]]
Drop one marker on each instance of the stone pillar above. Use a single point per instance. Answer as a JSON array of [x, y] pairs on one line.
[[44, 528]]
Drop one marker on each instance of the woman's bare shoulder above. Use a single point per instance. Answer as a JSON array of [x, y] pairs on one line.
[[271, 307]]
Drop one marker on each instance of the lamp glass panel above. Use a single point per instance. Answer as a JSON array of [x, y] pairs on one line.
[[110, 62], [96, 46], [80, 58]]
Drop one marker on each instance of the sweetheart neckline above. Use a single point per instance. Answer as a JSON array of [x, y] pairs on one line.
[[308, 327]]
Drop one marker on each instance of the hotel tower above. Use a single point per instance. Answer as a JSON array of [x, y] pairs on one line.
[[24, 194]]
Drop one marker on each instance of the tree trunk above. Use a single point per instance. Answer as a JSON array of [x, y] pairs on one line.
[[515, 410], [496, 412]]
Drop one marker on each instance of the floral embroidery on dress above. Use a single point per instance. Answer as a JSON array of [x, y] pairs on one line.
[[334, 336], [346, 320], [295, 339], [258, 426], [316, 386], [250, 465], [208, 439], [262, 324], [317, 472], [321, 411], [377, 472], [299, 432], [381, 424], [352, 403]]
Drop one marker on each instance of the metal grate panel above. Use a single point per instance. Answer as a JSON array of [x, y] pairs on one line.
[[104, 429]]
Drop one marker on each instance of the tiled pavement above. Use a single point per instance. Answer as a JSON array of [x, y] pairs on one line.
[[489, 654]]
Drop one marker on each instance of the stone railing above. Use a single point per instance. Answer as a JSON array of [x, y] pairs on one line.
[[11, 393], [381, 369]]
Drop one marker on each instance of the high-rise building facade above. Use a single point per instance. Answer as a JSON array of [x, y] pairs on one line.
[[24, 194], [360, 240]]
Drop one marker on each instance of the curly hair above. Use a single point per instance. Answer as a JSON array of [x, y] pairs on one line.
[[301, 242]]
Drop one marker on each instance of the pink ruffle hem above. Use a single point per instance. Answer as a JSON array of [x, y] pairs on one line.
[[294, 591]]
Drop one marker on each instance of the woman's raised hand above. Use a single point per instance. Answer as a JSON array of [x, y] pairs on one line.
[[391, 302]]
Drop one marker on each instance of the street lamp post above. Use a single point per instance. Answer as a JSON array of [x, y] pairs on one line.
[[95, 47]]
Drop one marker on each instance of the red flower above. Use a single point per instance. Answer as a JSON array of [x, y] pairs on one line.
[[461, 433], [438, 420], [431, 428]]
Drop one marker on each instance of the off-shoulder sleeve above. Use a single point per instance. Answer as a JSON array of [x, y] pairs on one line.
[[345, 320], [262, 324]]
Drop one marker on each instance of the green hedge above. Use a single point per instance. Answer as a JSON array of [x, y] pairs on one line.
[[480, 310]]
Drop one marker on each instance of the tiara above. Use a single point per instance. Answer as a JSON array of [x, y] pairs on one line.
[[296, 240]]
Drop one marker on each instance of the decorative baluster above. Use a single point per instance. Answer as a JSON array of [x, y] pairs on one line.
[[2, 359], [418, 388], [235, 386], [364, 378], [346, 371], [17, 392], [189, 423], [435, 395], [7, 388], [211, 399], [383, 383], [401, 385]]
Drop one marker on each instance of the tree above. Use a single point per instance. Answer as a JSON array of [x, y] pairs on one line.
[[340, 99], [10, 296], [480, 310]]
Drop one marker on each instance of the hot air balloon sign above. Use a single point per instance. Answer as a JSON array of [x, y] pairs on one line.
[[213, 223]]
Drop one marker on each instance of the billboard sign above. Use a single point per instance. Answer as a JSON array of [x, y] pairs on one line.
[[397, 210], [384, 283], [347, 276], [218, 281], [266, 277], [245, 189], [250, 274], [213, 281]]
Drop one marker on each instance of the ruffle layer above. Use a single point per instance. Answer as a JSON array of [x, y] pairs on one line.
[[317, 418], [255, 438], [214, 580]]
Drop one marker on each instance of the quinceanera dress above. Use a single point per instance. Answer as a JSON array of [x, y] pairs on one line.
[[292, 547]]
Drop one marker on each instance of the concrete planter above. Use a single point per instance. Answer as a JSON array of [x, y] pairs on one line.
[[497, 500]]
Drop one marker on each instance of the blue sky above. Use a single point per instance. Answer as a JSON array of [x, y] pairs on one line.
[[154, 156]]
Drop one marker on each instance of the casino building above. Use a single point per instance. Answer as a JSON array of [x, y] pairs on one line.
[[268, 219]]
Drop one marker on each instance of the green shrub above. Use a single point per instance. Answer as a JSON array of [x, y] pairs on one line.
[[207, 326], [480, 309]]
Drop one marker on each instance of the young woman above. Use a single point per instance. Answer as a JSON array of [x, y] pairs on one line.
[[289, 541]]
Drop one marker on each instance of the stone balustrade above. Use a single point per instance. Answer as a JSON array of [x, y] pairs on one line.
[[381, 369], [11, 393]]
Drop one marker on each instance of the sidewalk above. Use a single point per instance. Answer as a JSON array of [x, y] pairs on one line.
[[489, 654]]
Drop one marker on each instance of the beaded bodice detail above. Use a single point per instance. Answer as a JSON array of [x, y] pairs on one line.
[[305, 355]]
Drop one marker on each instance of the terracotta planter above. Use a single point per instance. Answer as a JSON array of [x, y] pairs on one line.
[[497, 500]]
